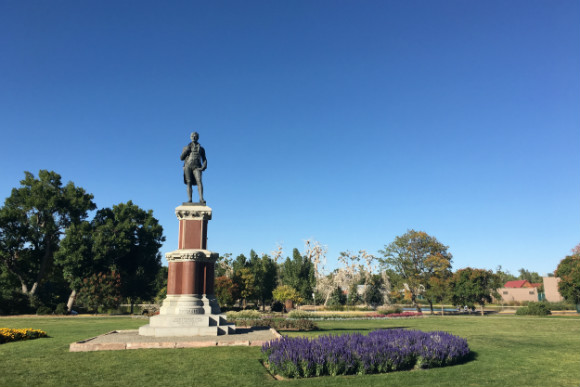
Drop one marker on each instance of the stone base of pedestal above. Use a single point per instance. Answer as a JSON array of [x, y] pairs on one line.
[[187, 325], [188, 315], [190, 304]]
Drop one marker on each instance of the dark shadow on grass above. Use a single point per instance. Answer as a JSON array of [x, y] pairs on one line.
[[357, 329], [471, 357], [251, 329]]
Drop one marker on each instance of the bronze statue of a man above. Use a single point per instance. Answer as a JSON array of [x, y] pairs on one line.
[[195, 162]]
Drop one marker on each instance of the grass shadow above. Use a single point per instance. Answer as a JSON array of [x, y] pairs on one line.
[[358, 329], [241, 330]]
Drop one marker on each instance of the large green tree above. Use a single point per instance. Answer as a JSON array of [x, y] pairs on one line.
[[474, 286], [77, 259], [569, 273], [129, 239], [299, 274], [417, 257], [374, 293], [265, 273], [33, 220], [124, 239]]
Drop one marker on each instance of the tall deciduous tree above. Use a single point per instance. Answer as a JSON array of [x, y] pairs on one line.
[[32, 222], [569, 273], [417, 257], [474, 286], [77, 260]]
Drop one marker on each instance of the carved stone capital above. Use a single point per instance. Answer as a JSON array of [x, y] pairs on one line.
[[193, 212], [191, 255]]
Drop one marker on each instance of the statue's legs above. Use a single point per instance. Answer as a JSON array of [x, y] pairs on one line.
[[200, 190], [189, 191], [197, 175]]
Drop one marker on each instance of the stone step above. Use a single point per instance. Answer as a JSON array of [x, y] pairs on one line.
[[187, 325]]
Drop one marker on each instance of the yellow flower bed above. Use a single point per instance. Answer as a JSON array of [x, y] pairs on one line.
[[7, 334]]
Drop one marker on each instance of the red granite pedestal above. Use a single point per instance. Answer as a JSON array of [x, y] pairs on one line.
[[190, 308]]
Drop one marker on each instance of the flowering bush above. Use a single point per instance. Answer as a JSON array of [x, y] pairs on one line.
[[8, 335], [406, 314], [379, 352]]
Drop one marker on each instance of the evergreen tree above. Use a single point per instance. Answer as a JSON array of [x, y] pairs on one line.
[[299, 273]]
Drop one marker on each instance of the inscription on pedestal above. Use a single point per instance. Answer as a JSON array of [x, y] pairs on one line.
[[191, 311], [187, 321]]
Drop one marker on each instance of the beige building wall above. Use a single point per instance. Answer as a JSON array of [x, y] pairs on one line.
[[551, 289], [518, 294]]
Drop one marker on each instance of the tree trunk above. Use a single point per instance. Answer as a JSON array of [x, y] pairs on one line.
[[33, 289], [415, 303], [71, 300], [482, 312], [46, 262], [431, 306]]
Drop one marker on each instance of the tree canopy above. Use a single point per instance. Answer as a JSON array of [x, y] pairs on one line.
[[569, 273], [299, 274], [416, 257], [33, 220], [474, 286]]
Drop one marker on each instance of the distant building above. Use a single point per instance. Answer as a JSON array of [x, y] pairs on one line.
[[551, 289], [523, 290], [518, 284]]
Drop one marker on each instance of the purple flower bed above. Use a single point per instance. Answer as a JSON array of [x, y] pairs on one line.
[[378, 352]]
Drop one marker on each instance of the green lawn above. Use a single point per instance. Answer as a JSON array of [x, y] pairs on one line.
[[509, 351]]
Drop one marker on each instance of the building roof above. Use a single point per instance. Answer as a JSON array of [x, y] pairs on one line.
[[518, 284]]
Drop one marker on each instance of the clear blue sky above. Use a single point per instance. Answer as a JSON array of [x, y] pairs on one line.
[[349, 122]]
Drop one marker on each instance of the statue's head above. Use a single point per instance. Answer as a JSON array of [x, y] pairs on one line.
[[194, 136]]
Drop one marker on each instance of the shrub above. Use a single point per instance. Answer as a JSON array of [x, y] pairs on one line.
[[243, 315], [334, 307], [389, 309], [300, 314], [61, 309], [559, 305], [14, 302], [337, 298], [285, 292], [101, 290], [378, 352], [405, 314], [277, 306], [42, 310], [534, 309], [300, 324]]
